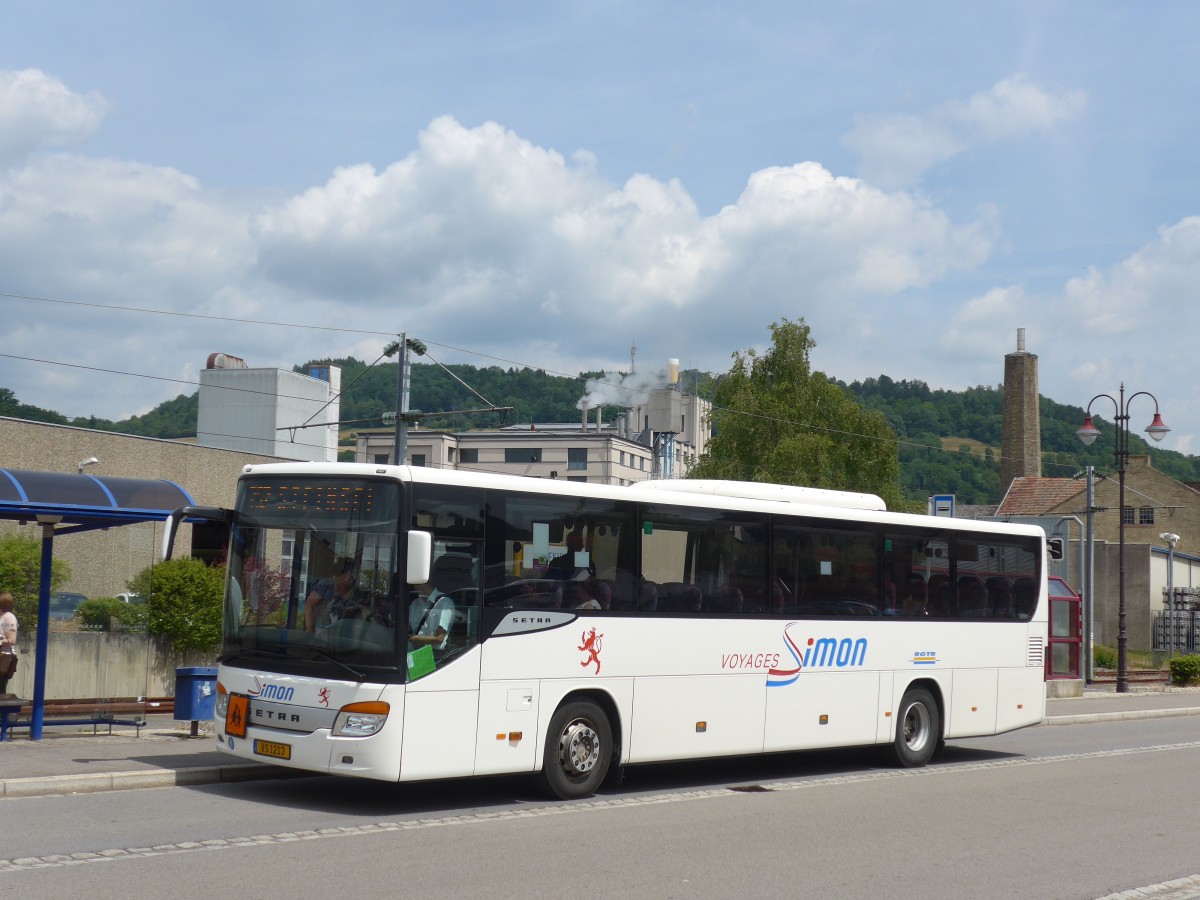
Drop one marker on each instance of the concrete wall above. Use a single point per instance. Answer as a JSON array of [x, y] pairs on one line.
[[98, 665], [102, 562]]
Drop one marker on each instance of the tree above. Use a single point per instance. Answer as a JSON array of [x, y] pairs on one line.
[[184, 597], [21, 574], [776, 420]]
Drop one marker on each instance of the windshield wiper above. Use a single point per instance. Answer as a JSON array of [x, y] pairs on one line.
[[360, 677], [257, 649]]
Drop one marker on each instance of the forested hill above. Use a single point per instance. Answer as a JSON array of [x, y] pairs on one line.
[[966, 426], [170, 419], [949, 440]]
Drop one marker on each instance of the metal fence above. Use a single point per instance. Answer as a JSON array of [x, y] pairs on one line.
[[1178, 626]]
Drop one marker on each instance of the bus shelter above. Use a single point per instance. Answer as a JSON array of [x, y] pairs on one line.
[[64, 504]]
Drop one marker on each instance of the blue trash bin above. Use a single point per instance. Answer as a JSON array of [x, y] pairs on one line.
[[195, 693]]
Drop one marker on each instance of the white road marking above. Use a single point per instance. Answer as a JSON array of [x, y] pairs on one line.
[[1181, 889]]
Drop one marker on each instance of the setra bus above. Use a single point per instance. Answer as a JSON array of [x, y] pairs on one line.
[[404, 623]]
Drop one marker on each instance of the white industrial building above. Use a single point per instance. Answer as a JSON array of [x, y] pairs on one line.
[[270, 412]]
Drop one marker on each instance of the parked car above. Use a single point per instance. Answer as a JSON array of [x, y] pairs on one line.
[[131, 598], [63, 604]]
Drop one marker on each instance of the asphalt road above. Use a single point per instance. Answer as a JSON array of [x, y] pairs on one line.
[[1077, 811]]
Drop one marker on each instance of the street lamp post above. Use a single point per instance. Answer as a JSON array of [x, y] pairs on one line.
[[1088, 434]]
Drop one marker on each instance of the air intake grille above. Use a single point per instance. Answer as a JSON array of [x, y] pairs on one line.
[[1037, 655]]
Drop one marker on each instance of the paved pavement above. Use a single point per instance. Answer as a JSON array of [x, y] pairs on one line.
[[71, 759]]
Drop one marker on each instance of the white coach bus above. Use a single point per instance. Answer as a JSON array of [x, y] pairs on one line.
[[406, 623]]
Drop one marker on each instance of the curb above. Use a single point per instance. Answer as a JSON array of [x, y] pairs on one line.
[[129, 781], [1087, 718]]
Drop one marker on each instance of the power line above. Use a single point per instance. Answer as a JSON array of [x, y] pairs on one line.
[[997, 458], [195, 384], [791, 422], [184, 315]]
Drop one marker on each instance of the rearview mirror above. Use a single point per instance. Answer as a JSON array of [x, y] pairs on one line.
[[420, 556]]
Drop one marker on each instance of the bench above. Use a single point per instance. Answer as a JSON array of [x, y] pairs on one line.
[[17, 713], [8, 709]]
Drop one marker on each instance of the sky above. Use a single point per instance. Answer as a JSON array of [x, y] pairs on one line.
[[550, 184]]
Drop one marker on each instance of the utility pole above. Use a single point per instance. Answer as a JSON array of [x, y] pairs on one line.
[[403, 414], [402, 374]]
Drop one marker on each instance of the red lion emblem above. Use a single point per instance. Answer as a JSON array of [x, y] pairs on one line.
[[591, 645]]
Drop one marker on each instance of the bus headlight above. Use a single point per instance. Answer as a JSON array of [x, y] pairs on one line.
[[222, 705], [361, 719]]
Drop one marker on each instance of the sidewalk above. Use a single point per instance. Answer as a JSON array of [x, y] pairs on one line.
[[72, 760], [1103, 703]]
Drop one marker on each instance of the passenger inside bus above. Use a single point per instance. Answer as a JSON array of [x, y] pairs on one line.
[[912, 603], [575, 595], [575, 563], [941, 595], [1001, 598]]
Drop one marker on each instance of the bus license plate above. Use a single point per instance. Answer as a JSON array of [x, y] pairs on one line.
[[273, 749]]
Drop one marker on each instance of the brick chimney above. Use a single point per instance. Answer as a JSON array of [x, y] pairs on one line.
[[1021, 438]]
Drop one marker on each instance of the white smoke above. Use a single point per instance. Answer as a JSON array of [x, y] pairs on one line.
[[621, 389]]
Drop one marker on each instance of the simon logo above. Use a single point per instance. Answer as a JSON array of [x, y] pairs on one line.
[[817, 653], [270, 691]]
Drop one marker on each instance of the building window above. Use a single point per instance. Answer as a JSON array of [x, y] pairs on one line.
[[450, 455], [418, 459], [577, 478], [1127, 515], [469, 455], [381, 459], [1146, 515], [622, 457], [522, 454], [577, 457]]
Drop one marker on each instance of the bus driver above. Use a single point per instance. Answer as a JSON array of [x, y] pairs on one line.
[[431, 612]]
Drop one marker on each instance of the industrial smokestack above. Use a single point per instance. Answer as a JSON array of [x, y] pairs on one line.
[[583, 405], [1020, 340], [672, 371]]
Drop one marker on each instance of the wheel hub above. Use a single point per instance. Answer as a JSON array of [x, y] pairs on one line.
[[916, 727], [580, 748]]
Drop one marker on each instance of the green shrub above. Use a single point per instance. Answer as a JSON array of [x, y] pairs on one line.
[[20, 574], [184, 602], [112, 614], [1185, 669], [1104, 657]]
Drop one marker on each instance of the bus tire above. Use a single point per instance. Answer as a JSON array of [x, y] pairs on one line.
[[579, 749], [918, 729]]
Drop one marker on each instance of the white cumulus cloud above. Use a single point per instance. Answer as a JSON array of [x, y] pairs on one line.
[[897, 149], [37, 110], [476, 239]]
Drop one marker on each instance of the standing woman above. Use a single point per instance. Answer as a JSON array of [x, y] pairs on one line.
[[8, 639]]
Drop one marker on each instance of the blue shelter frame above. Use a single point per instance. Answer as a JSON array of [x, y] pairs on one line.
[[65, 504]]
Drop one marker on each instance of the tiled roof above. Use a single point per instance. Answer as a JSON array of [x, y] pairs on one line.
[[974, 510], [1030, 496]]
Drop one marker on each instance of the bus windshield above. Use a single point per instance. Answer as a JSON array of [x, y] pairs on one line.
[[312, 571]]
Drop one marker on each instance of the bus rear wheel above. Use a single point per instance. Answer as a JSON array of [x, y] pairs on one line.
[[918, 729], [578, 752]]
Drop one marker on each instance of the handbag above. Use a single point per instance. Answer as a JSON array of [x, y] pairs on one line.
[[8, 661]]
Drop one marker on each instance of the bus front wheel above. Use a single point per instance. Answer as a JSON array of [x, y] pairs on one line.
[[918, 729], [578, 751]]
